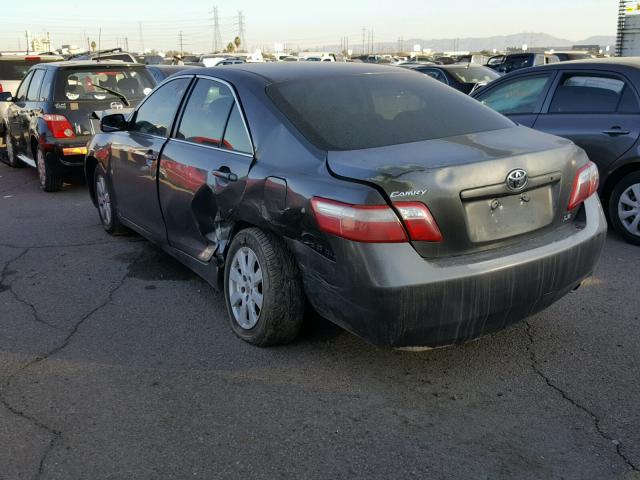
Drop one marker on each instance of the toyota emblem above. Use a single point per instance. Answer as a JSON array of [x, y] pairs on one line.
[[517, 179]]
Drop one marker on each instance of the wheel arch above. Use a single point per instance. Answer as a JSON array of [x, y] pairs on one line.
[[614, 177]]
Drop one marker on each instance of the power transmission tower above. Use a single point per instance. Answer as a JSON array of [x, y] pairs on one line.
[[181, 43], [241, 29], [364, 31], [217, 36]]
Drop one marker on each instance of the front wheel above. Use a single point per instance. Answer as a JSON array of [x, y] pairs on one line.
[[12, 160], [624, 208], [106, 204], [263, 289]]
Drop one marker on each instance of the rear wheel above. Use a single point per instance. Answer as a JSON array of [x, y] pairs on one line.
[[106, 204], [263, 289], [12, 160], [49, 176], [624, 208]]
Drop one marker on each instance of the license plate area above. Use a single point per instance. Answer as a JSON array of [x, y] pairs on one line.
[[490, 219]]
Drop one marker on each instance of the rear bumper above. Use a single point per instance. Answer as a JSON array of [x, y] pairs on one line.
[[63, 151], [390, 295]]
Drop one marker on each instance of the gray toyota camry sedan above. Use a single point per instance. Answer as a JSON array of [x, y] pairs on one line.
[[402, 210]]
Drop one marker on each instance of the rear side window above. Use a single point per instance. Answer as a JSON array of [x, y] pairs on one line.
[[47, 83], [587, 94], [155, 116], [236, 137], [518, 96], [352, 112], [206, 114], [34, 86]]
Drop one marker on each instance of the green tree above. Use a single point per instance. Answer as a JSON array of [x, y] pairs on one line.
[[236, 42], [230, 47]]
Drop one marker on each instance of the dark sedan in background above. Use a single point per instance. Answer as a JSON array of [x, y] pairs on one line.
[[464, 78], [402, 210], [595, 104], [160, 72]]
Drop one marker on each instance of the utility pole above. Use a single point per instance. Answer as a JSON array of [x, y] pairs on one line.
[[217, 37], [364, 30], [141, 37], [181, 43], [26, 36]]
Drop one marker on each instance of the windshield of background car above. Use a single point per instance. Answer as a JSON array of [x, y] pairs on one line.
[[515, 62], [16, 69], [83, 84], [474, 74], [374, 110]]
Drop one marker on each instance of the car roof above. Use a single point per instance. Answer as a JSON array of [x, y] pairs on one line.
[[91, 63], [276, 72], [613, 64]]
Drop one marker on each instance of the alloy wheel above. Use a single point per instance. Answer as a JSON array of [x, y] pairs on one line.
[[629, 209], [245, 288], [104, 200]]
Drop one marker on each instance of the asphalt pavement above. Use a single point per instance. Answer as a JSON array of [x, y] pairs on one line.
[[116, 362]]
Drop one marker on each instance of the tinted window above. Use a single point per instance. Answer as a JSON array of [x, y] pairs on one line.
[[45, 90], [515, 62], [366, 111], [34, 86], [206, 113], [519, 96], [84, 84], [587, 94], [21, 94], [236, 137], [156, 115], [474, 74], [435, 74], [629, 102], [16, 69]]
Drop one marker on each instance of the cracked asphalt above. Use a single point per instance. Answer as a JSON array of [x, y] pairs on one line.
[[117, 363]]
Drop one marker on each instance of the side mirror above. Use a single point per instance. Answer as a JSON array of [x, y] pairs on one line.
[[6, 97], [113, 123]]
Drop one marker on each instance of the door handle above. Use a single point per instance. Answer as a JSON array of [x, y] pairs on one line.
[[225, 174], [614, 131]]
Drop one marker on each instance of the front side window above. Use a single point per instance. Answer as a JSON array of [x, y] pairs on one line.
[[155, 116], [519, 96], [587, 94], [21, 94], [34, 86], [206, 113]]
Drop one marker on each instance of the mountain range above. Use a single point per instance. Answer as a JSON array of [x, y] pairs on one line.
[[476, 44]]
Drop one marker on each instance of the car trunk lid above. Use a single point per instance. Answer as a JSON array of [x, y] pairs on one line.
[[462, 180]]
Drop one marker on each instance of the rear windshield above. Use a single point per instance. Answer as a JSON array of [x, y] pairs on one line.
[[84, 84], [366, 111], [16, 69], [474, 74]]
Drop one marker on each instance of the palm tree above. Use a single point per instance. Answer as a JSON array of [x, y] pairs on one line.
[[230, 47], [236, 41]]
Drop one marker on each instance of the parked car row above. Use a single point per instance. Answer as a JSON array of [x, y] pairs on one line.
[[406, 212]]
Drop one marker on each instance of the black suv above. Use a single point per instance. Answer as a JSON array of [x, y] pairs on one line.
[[47, 123]]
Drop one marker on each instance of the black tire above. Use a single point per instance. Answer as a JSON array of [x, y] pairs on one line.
[[49, 174], [106, 205], [9, 154], [624, 226], [279, 319]]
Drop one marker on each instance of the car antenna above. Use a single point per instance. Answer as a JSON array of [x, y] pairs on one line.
[[99, 39]]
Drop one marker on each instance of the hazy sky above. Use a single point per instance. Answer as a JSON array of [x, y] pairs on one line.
[[298, 22]]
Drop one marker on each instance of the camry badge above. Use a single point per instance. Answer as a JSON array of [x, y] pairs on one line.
[[517, 179], [413, 193]]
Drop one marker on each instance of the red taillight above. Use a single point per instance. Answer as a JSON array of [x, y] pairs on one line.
[[59, 126], [584, 185], [1, 90], [420, 224], [376, 223], [32, 58], [362, 223]]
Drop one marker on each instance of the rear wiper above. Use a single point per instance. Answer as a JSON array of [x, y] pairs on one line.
[[113, 92]]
